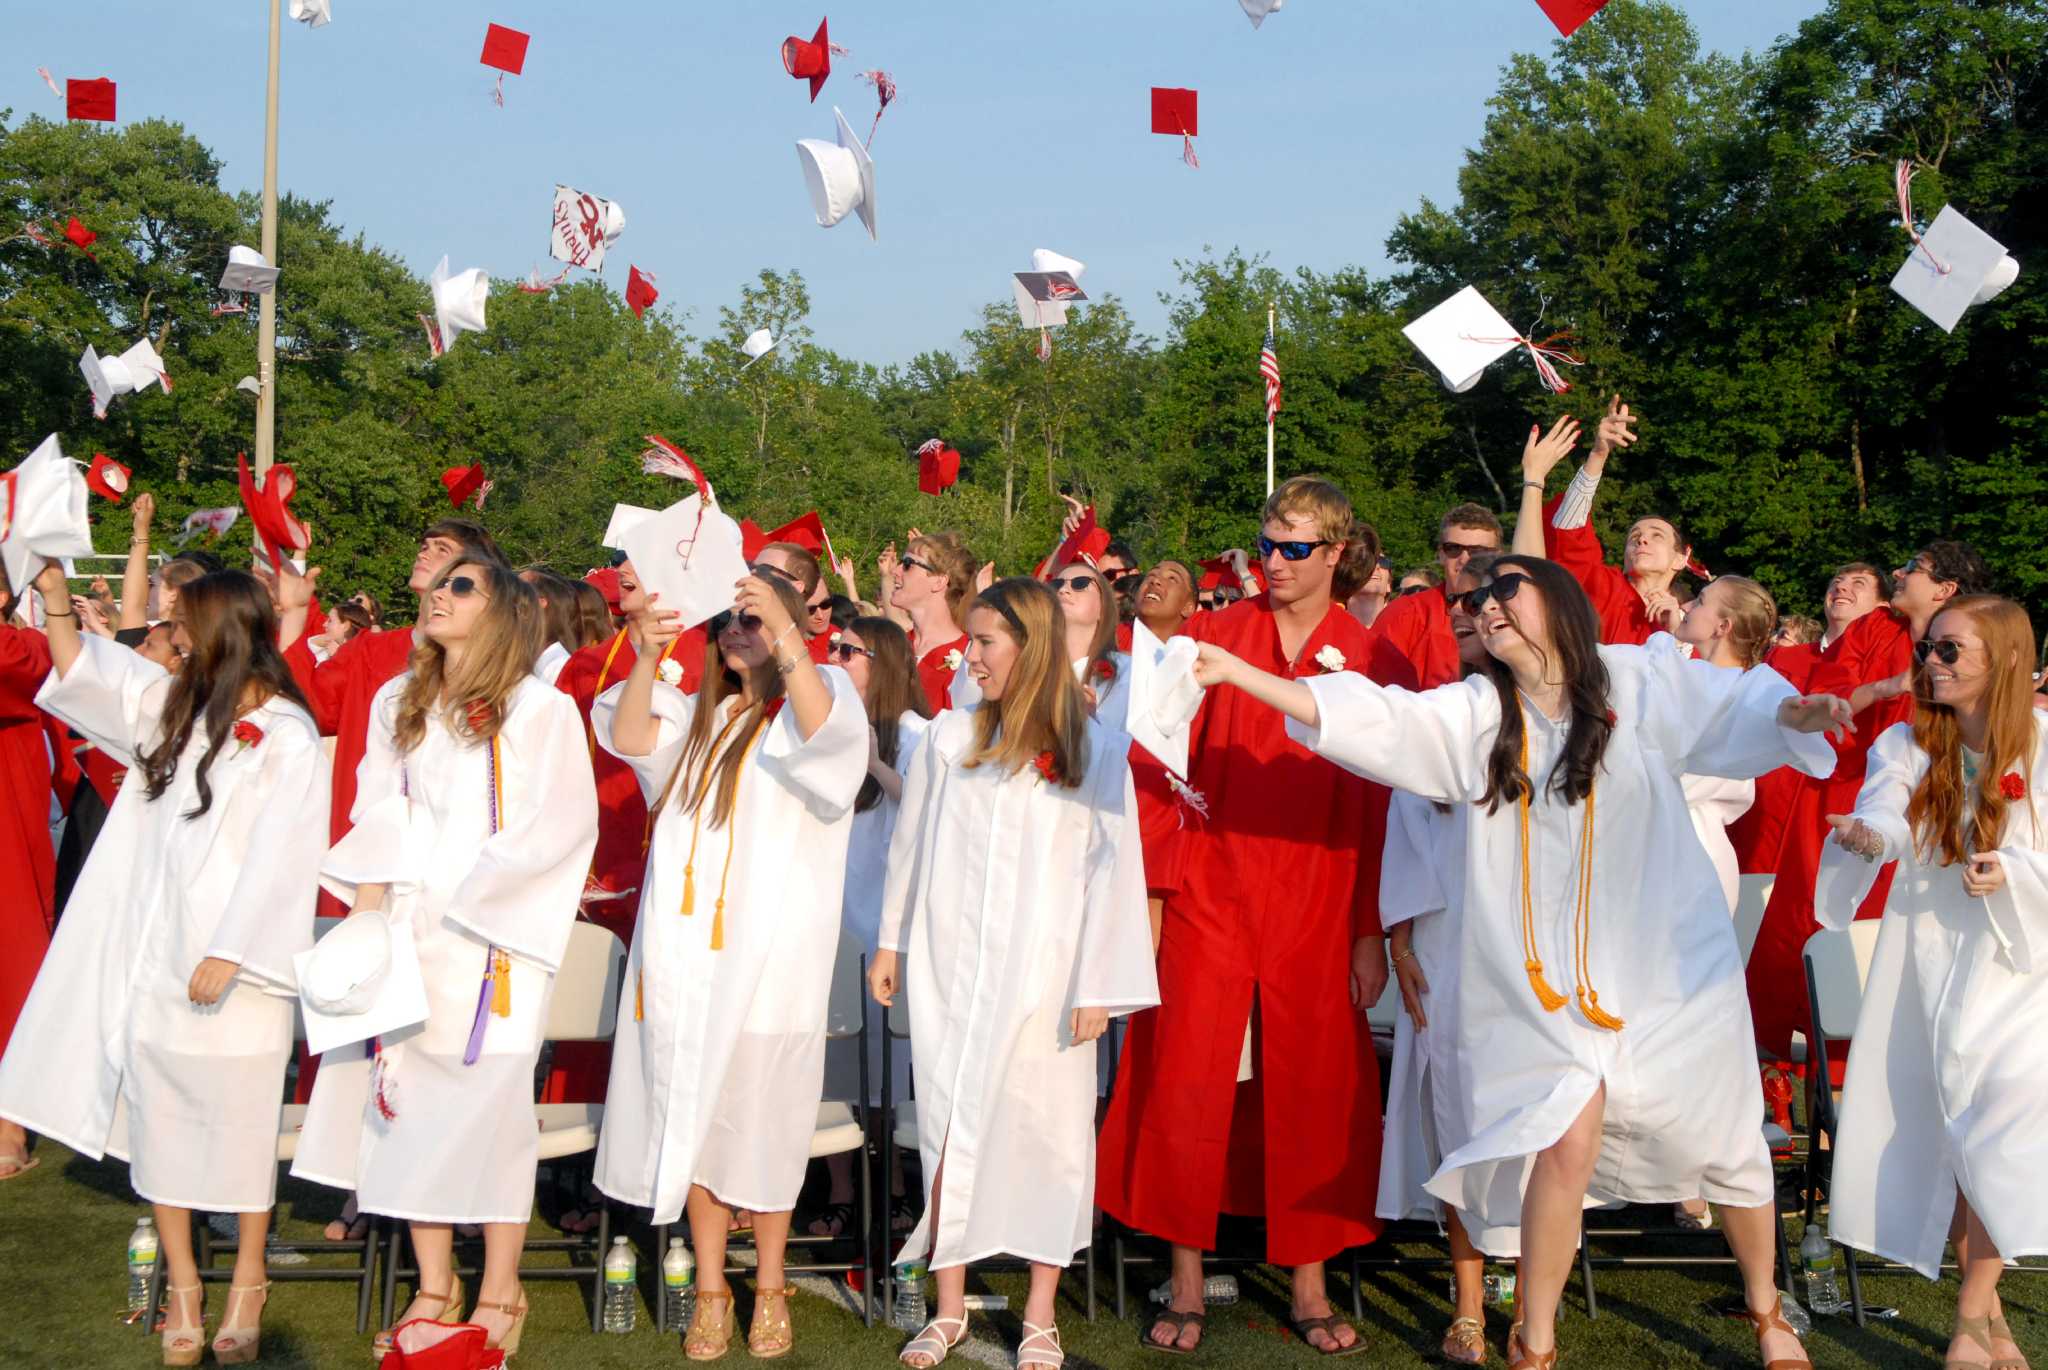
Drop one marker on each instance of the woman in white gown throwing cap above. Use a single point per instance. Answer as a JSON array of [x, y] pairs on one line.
[[1607, 1050]]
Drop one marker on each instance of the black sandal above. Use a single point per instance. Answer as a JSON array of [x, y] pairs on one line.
[[1180, 1322], [839, 1216], [1328, 1326]]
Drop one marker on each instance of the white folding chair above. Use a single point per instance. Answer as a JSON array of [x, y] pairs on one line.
[[1752, 896], [1837, 967]]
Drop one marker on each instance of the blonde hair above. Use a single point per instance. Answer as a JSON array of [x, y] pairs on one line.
[[507, 637], [1752, 617], [1941, 831], [1102, 645], [1321, 501], [1042, 708], [946, 554]]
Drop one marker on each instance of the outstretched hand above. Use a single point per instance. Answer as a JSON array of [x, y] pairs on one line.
[[1829, 714], [1855, 836], [1616, 429], [1543, 451], [1214, 666]]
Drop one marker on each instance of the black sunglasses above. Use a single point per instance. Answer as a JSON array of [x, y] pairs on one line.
[[1288, 550], [1408, 590], [1450, 551], [909, 561], [1944, 651], [1127, 579], [749, 622], [1076, 583], [844, 652], [1502, 589], [462, 587]]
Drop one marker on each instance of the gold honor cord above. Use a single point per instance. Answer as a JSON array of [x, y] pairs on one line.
[[1552, 1001]]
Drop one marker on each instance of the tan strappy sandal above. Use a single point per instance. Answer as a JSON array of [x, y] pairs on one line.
[[1521, 1357], [710, 1337], [933, 1343], [450, 1305], [241, 1343], [2002, 1331], [770, 1335], [1774, 1321], [1981, 1331], [1049, 1353], [185, 1345], [508, 1340]]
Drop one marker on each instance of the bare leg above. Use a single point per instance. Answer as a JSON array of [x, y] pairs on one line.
[[1311, 1300], [949, 1283], [710, 1220], [1040, 1310], [433, 1247], [1756, 1252], [14, 1146], [503, 1243], [771, 1245], [1552, 1206], [181, 1269], [1468, 1269], [1981, 1264], [840, 1169], [1186, 1297]]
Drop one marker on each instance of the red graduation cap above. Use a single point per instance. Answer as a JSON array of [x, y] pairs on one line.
[[806, 531], [938, 467], [606, 581], [81, 237], [505, 49], [1173, 110], [810, 61], [464, 482], [640, 291], [1216, 569], [270, 510], [1569, 14], [106, 476], [1085, 543], [89, 100]]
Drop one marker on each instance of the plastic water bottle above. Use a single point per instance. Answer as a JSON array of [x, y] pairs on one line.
[[678, 1283], [1496, 1289], [142, 1250], [621, 1270], [1218, 1291], [910, 1313], [1817, 1259]]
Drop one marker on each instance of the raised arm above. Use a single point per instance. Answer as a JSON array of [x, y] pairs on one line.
[[810, 698], [60, 617], [135, 579], [1540, 456], [634, 729]]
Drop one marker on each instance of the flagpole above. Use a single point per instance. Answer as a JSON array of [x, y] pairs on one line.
[[266, 325], [1269, 417]]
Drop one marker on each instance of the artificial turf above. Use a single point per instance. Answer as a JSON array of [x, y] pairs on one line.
[[64, 1228]]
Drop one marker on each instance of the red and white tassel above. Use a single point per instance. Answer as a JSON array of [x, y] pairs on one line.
[[1904, 174]]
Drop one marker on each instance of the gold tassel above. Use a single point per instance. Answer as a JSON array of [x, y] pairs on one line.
[[718, 925], [501, 984], [1589, 1004], [689, 890], [639, 997], [1551, 1000]]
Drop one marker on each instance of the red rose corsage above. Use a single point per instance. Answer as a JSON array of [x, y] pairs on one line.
[[1047, 767], [479, 716], [1612, 718], [774, 707], [1104, 669], [2012, 786], [247, 735]]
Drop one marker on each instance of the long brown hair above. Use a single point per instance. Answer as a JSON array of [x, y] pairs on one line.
[[1042, 708], [713, 753], [1935, 813], [894, 689], [593, 615], [233, 629], [508, 635], [1102, 645], [1575, 637]]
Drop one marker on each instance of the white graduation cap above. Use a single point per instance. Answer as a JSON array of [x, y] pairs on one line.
[[1043, 297], [1462, 337], [136, 369], [314, 13], [1164, 696], [361, 980], [247, 270], [584, 228], [42, 513], [624, 516], [757, 345], [1045, 259], [250, 384], [1254, 10], [1954, 265], [840, 176], [458, 305], [689, 555]]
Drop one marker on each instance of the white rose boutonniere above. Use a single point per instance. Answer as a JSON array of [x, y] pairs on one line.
[[1330, 659], [953, 659], [671, 672]]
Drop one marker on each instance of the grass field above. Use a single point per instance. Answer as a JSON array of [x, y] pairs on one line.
[[63, 1228]]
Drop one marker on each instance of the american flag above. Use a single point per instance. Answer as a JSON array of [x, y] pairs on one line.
[[1269, 367]]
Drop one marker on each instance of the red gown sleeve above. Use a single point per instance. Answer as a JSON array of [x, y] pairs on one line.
[[1578, 550], [24, 663]]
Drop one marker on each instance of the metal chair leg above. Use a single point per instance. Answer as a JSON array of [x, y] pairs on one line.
[[156, 1292], [1121, 1273], [391, 1251], [604, 1244], [373, 1241], [1089, 1256], [867, 1223], [1855, 1285], [1357, 1293], [1586, 1273], [1784, 1245], [660, 1304]]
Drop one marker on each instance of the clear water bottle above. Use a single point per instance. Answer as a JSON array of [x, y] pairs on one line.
[[1817, 1260], [1496, 1289], [621, 1270], [142, 1248], [678, 1283], [1218, 1291], [910, 1313]]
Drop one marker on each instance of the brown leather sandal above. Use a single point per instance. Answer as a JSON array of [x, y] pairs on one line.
[[1327, 1325], [769, 1334], [1465, 1342], [2002, 1331], [1521, 1357], [1774, 1321], [1179, 1322]]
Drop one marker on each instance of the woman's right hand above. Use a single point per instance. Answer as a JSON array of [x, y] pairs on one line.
[[1414, 985], [1543, 451], [882, 977], [144, 513], [1855, 836], [658, 628], [52, 586], [1214, 666]]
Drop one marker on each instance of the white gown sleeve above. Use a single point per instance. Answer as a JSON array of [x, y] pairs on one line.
[[827, 768], [268, 917], [1114, 967], [672, 709], [1708, 720], [905, 881], [1433, 742], [383, 846], [1894, 768], [1409, 883], [114, 695], [2019, 910]]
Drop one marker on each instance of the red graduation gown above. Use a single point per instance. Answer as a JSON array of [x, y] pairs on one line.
[[28, 863], [1412, 643], [1874, 647], [936, 676], [1271, 893], [1759, 835], [1623, 619]]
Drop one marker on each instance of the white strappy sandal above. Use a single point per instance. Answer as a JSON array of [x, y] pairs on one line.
[[933, 1343], [1051, 1355]]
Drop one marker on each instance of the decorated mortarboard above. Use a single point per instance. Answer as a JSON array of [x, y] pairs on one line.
[[938, 467], [458, 305], [688, 555], [136, 369], [1174, 110], [1952, 266], [504, 49], [42, 513], [1464, 335], [757, 345], [1568, 15], [269, 507], [247, 270], [1257, 10], [106, 477], [215, 521], [535, 285], [582, 228], [640, 291], [89, 100], [465, 483], [809, 61], [312, 13], [840, 176], [1043, 297]]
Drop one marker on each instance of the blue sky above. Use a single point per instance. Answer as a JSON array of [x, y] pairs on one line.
[[1017, 126]]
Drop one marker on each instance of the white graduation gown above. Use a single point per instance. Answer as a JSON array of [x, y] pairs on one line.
[[1714, 802], [109, 1015], [1013, 903], [1684, 1104], [463, 1145], [717, 1073], [1945, 1086]]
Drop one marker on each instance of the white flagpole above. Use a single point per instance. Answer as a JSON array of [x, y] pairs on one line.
[[266, 326], [1269, 417]]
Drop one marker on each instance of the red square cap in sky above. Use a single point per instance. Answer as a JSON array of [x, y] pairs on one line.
[[505, 49], [1173, 111]]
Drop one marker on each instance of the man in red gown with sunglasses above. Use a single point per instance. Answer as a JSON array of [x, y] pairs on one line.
[[1412, 642]]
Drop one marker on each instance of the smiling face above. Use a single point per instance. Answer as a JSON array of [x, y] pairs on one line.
[[1652, 549], [857, 664], [1963, 684], [456, 602], [1455, 548], [434, 556], [991, 651], [1517, 632], [1471, 647], [632, 596], [917, 583], [1166, 593], [1851, 595], [742, 644], [1292, 582]]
